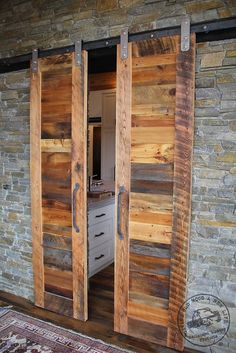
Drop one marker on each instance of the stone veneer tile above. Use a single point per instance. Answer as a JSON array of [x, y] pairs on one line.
[[213, 266]]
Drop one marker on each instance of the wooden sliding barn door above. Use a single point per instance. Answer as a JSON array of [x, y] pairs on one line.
[[58, 184], [155, 97]]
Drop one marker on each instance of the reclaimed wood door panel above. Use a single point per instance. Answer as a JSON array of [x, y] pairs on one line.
[[153, 183], [58, 179]]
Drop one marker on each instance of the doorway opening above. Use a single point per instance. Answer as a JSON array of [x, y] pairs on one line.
[[101, 184]]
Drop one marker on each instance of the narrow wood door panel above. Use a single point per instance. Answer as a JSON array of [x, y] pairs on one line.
[[58, 144], [123, 146], [156, 169], [79, 187], [56, 98]]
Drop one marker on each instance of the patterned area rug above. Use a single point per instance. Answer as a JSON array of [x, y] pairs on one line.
[[20, 333]]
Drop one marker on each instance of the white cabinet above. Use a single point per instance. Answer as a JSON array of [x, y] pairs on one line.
[[101, 237]]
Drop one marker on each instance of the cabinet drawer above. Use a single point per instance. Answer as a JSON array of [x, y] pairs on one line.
[[101, 255], [101, 214], [100, 233]]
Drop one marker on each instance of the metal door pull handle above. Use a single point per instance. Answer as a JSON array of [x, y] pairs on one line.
[[99, 257], [76, 188], [98, 235], [119, 231], [101, 215]]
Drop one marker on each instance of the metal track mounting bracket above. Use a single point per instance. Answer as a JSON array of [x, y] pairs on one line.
[[78, 52], [124, 43], [34, 63], [185, 33]]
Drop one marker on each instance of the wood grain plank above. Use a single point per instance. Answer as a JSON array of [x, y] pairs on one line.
[[56, 241], [165, 94], [123, 143], [58, 99], [150, 186], [58, 282], [55, 108], [164, 218], [152, 153], [154, 302], [56, 62], [57, 230], [57, 178], [155, 233], [79, 175], [157, 316], [54, 188], [152, 171], [61, 259], [149, 264], [56, 72], [153, 60], [153, 135], [56, 145], [58, 304], [182, 185], [155, 202], [59, 130], [56, 160], [154, 47], [150, 332], [56, 216], [153, 109], [150, 284], [152, 120], [60, 205], [150, 249], [56, 168], [53, 116], [36, 187], [158, 75], [57, 95]]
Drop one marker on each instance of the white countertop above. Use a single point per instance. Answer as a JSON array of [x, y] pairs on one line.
[[97, 203]]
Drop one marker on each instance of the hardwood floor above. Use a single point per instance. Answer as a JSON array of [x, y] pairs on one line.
[[100, 323], [101, 297]]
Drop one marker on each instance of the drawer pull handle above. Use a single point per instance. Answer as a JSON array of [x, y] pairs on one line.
[[99, 257], [119, 230], [98, 235], [76, 188], [101, 215]]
